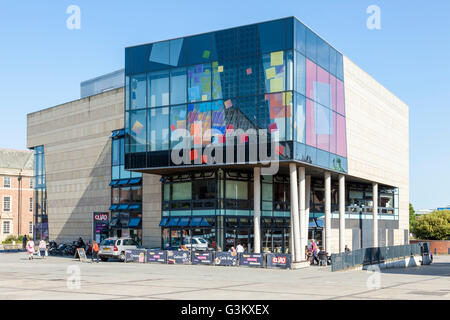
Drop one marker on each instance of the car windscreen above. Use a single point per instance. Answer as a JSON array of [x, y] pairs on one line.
[[107, 242], [202, 240]]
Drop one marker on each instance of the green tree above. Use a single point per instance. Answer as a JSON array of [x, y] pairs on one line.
[[412, 218], [433, 226]]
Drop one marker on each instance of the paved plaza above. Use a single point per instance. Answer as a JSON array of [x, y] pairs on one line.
[[52, 277]]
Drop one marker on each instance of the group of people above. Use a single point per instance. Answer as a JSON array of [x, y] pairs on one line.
[[30, 248], [312, 251], [239, 248]]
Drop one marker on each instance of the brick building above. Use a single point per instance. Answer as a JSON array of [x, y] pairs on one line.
[[16, 193]]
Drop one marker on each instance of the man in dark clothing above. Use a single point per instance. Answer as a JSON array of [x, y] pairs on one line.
[[24, 241], [80, 243]]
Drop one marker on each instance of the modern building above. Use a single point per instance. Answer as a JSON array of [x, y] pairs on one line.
[[16, 193], [263, 134], [106, 82]]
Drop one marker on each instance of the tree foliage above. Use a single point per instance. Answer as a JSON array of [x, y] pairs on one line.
[[433, 226], [412, 218]]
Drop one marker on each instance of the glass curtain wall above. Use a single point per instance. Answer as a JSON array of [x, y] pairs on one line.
[[40, 196]]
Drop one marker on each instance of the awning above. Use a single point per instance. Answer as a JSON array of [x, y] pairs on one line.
[[113, 207], [312, 224], [183, 222], [173, 222], [204, 223], [319, 223], [134, 222], [163, 222], [114, 222], [122, 182], [122, 207], [135, 207], [195, 222], [135, 181], [113, 183]]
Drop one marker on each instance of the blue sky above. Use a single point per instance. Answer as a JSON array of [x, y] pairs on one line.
[[42, 62]]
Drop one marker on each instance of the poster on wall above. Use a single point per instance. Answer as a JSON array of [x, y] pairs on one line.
[[278, 260], [178, 257], [252, 260], [226, 259], [135, 256], [101, 223], [202, 257], [156, 256]]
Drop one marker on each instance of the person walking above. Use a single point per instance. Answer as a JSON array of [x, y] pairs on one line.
[[24, 242], [315, 251], [42, 248], [95, 250], [30, 249]]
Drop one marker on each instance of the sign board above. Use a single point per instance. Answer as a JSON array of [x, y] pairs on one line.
[[278, 260], [252, 260], [135, 256], [202, 257], [226, 259], [81, 254], [156, 256], [178, 257], [101, 216]]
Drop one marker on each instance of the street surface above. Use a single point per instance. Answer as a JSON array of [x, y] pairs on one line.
[[55, 278]]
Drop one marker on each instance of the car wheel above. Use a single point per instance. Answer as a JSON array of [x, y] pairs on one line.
[[104, 259], [122, 256]]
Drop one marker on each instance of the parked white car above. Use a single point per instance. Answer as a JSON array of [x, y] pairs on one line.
[[197, 243], [115, 248]]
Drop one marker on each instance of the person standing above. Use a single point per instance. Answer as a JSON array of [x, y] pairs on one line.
[[239, 248], [315, 251], [30, 249], [95, 250], [24, 242], [42, 248]]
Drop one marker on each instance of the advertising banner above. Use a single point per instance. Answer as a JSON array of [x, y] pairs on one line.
[[252, 260], [226, 259], [177, 257], [202, 257], [278, 260], [135, 256], [156, 256]]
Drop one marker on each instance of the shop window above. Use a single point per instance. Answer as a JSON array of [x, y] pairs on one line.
[[237, 190], [182, 191], [204, 189]]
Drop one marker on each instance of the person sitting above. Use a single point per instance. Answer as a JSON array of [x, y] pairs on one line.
[[347, 249]]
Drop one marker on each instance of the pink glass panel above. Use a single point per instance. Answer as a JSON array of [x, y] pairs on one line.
[[341, 137], [310, 124], [340, 97], [311, 78], [333, 92], [322, 93], [323, 127], [333, 132]]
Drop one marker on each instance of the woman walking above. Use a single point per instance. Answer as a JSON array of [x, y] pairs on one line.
[[42, 248], [30, 249]]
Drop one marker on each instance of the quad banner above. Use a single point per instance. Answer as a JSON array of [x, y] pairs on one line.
[[278, 260], [178, 257], [252, 260], [226, 259], [202, 257], [156, 256], [135, 256]]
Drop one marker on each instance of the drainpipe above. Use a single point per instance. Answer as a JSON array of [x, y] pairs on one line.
[[19, 191]]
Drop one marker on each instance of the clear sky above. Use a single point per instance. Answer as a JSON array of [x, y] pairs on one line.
[[42, 62]]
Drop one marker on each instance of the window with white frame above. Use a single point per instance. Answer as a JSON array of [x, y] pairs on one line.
[[6, 227], [7, 182], [7, 204], [31, 204], [30, 230]]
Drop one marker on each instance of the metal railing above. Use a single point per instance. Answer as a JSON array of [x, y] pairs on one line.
[[368, 256]]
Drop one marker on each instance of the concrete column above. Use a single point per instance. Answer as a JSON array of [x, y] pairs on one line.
[[307, 203], [375, 213], [341, 213], [328, 212], [301, 207], [257, 210], [294, 212]]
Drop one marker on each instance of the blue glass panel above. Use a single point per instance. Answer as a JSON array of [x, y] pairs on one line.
[[158, 56], [228, 83], [177, 121], [224, 44], [178, 52], [158, 88], [323, 54], [310, 155], [340, 66], [115, 172], [199, 82], [311, 45], [248, 41], [248, 75], [323, 158], [333, 61], [127, 60], [138, 59], [158, 133], [115, 152], [178, 82], [300, 36], [138, 91], [199, 48], [289, 70], [272, 36], [138, 131], [300, 118], [300, 73], [127, 92], [289, 33]]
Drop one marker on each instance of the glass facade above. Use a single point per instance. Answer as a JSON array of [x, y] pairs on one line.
[[126, 194], [276, 76], [40, 196]]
